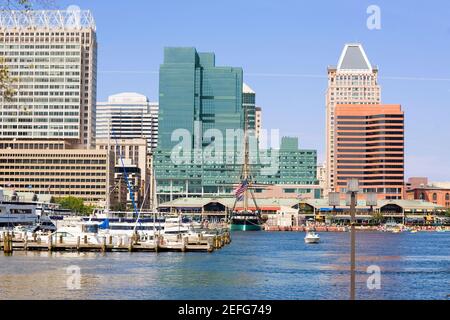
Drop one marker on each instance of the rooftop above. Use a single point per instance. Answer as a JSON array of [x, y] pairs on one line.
[[353, 57], [71, 19], [128, 98], [247, 89], [276, 204]]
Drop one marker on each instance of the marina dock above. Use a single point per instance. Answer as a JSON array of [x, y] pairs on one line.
[[10, 242]]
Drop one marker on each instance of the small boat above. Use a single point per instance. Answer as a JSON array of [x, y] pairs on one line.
[[413, 231], [312, 237]]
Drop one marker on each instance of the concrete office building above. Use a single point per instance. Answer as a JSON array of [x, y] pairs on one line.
[[57, 169], [248, 103], [136, 162], [53, 54], [128, 115], [353, 81]]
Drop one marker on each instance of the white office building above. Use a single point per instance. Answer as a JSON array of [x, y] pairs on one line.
[[128, 115], [52, 54]]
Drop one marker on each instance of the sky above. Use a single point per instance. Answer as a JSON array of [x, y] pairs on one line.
[[284, 48]]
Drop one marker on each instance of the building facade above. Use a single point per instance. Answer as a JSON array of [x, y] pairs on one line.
[[55, 168], [249, 105], [416, 182], [295, 166], [353, 81], [322, 175], [436, 195], [370, 147], [258, 122], [53, 55], [131, 156], [128, 115]]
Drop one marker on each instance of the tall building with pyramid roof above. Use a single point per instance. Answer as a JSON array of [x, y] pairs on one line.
[[353, 81]]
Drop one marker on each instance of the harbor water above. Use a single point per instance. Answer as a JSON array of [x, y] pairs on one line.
[[256, 265]]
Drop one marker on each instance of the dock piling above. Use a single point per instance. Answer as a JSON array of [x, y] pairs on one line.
[[7, 243], [104, 244], [49, 243], [130, 245]]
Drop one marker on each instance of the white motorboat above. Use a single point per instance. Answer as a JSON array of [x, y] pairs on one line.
[[27, 214], [312, 237], [70, 233]]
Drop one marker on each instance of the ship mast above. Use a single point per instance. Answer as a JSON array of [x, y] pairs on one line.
[[245, 173], [246, 167]]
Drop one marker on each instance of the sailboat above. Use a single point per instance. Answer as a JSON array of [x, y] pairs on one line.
[[245, 220]]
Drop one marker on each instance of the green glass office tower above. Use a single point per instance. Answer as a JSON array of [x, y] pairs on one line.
[[192, 88], [196, 95]]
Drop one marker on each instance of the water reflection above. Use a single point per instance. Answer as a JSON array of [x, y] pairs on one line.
[[255, 266]]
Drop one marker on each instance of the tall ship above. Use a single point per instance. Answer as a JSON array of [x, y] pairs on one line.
[[244, 218]]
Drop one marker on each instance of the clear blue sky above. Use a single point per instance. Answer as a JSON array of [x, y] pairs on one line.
[[284, 48]]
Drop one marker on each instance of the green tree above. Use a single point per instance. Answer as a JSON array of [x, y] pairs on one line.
[[447, 214], [119, 207], [75, 205], [7, 90], [378, 217]]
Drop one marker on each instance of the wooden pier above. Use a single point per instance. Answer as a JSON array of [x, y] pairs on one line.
[[200, 243]]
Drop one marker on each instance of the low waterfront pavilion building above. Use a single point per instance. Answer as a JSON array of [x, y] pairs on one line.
[[320, 209], [222, 206]]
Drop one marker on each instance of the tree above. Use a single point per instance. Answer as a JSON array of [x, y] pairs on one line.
[[75, 205], [447, 214], [378, 217], [119, 207], [6, 81]]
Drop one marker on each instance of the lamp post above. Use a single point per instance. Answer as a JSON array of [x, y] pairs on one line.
[[353, 188]]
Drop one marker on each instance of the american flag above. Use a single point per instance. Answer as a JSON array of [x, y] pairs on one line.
[[239, 192]]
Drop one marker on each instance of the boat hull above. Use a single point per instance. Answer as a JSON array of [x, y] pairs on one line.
[[245, 222], [245, 227]]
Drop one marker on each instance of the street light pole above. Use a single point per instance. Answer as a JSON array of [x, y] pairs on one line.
[[353, 189]]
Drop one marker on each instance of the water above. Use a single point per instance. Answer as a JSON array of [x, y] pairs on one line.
[[256, 265]]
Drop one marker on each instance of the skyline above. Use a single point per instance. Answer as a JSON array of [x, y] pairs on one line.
[[285, 62]]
